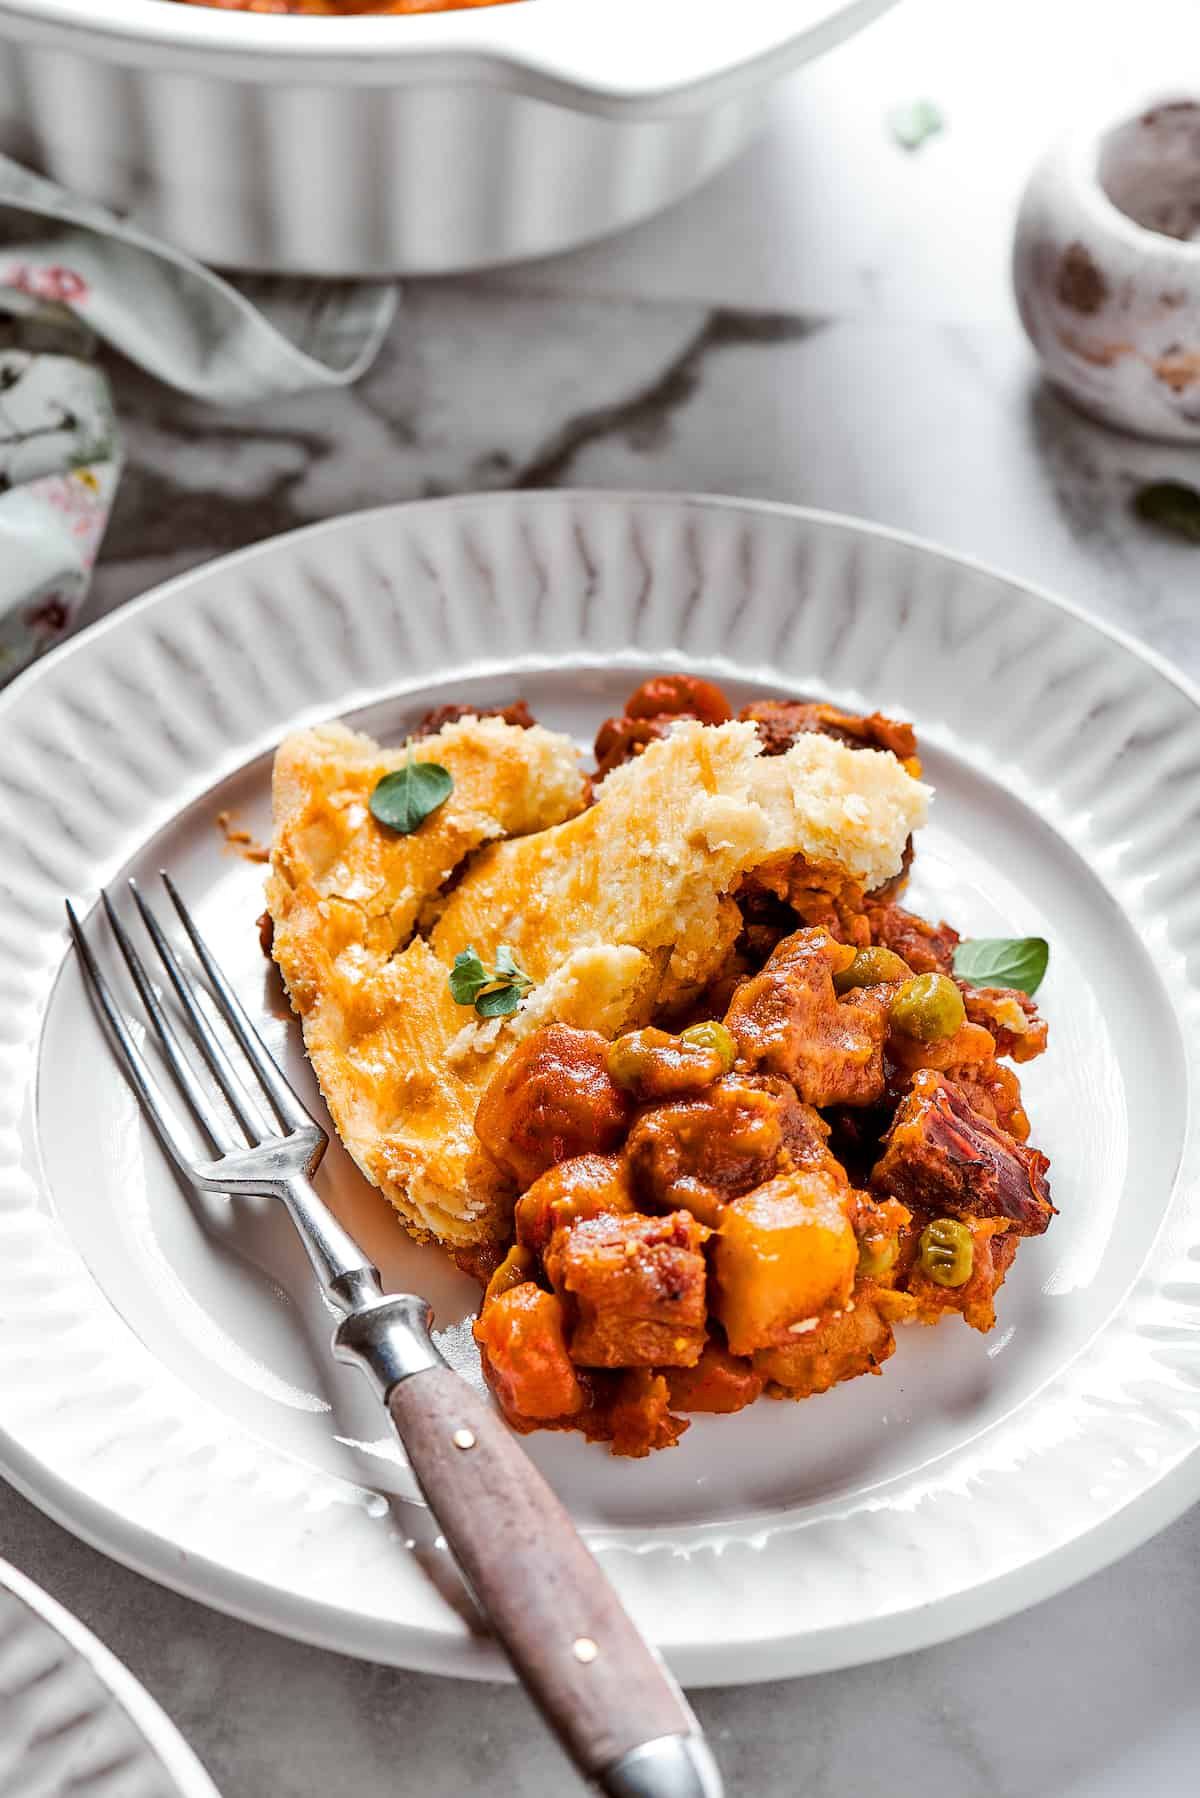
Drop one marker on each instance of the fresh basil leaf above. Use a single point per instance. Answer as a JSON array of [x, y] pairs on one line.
[[915, 121], [500, 1002], [1172, 506], [404, 799], [468, 977], [1013, 961]]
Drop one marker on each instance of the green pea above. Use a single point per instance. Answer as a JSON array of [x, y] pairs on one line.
[[947, 1252], [876, 1256], [871, 967], [929, 1008], [711, 1035]]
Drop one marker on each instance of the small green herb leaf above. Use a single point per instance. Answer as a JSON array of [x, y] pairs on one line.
[[1013, 961], [468, 977], [494, 992], [499, 1002], [915, 121], [404, 799], [1172, 506]]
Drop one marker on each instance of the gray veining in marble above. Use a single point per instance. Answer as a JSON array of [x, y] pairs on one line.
[[828, 323], [944, 430]]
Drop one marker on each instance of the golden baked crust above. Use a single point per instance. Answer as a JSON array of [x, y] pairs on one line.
[[345, 894], [341, 887], [612, 911]]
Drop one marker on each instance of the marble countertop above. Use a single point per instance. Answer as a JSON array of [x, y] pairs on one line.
[[828, 322]]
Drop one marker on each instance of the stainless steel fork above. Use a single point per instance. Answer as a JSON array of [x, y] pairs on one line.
[[600, 1685]]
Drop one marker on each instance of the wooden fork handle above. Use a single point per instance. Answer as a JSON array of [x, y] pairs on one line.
[[597, 1681]]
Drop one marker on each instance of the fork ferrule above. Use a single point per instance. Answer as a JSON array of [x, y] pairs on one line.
[[389, 1339]]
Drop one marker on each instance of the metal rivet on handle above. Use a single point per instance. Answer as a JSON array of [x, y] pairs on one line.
[[463, 1438], [584, 1649]]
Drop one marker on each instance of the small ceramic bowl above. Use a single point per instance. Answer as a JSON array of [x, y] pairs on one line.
[[1106, 266]]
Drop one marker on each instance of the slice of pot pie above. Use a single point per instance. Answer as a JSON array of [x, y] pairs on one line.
[[613, 912]]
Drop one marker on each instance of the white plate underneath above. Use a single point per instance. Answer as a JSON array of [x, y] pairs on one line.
[[73, 1720], [165, 1383]]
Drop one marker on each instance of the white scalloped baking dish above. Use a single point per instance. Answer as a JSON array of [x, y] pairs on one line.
[[384, 144]]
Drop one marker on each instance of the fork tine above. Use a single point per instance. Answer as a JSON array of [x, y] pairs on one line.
[[217, 1132], [244, 1108], [289, 1108], [155, 1104]]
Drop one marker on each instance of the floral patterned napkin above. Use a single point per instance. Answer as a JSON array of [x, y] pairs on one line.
[[71, 275]]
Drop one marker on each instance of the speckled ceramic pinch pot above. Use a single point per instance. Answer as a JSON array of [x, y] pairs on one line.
[[1106, 267]]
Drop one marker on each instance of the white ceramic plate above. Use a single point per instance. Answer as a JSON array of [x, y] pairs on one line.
[[72, 1718], [165, 1385]]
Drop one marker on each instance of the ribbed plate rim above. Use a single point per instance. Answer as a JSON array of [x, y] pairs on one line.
[[684, 496]]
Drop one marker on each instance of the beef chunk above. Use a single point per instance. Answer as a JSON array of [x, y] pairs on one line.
[[995, 1092], [619, 740], [636, 1416], [655, 1064], [942, 1156], [797, 893], [820, 896], [651, 711], [719, 1382], [525, 1357], [516, 713], [970, 1046], [679, 696], [968, 1058], [788, 1020], [927, 948], [478, 1260], [843, 1344], [700, 1153], [551, 1100], [780, 721], [636, 1288], [586, 1186], [1010, 1016]]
